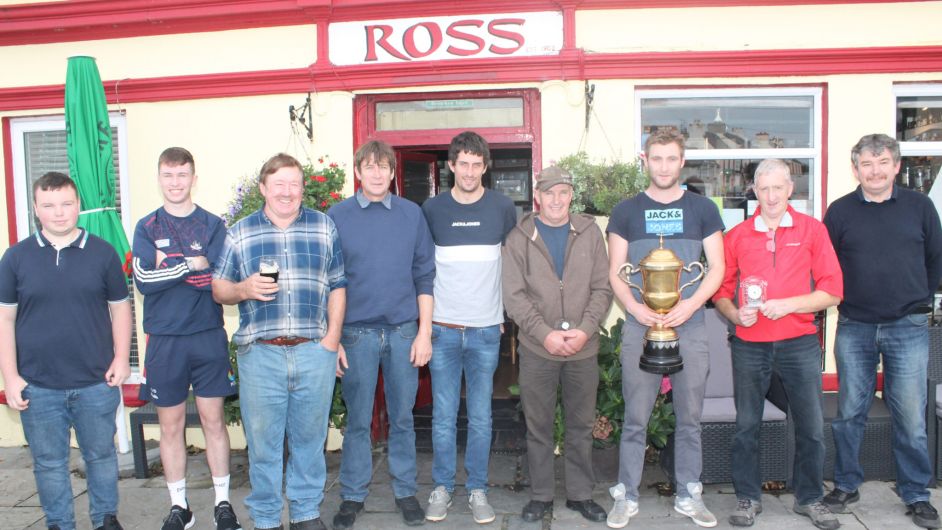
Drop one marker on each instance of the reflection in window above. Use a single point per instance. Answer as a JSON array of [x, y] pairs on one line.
[[734, 123], [919, 118], [470, 113]]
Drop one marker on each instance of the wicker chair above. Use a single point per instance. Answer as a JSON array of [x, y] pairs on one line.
[[934, 399], [718, 422]]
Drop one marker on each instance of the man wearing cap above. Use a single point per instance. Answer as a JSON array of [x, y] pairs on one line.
[[555, 284]]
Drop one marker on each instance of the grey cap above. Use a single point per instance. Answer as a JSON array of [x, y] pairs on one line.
[[552, 176]]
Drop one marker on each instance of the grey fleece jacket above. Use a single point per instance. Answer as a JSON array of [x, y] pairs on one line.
[[536, 299]]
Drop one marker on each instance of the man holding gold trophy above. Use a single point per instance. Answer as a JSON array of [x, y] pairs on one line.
[[667, 227]]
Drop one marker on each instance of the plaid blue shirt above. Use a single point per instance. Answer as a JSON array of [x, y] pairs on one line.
[[311, 266]]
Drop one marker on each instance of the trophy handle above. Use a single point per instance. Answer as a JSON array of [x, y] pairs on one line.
[[695, 280], [625, 272]]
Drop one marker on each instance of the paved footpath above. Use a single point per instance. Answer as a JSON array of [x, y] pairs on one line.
[[144, 502]]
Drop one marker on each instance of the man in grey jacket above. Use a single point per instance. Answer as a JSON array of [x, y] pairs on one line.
[[555, 282]]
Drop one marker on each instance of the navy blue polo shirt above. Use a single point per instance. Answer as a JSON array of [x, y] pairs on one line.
[[63, 324]]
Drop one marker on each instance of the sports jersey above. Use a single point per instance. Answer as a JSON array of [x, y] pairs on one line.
[[177, 301]]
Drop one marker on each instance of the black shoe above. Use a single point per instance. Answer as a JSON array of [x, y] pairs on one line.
[[225, 518], [179, 518], [589, 509], [347, 515], [412, 513], [924, 514], [310, 524], [535, 510], [110, 523], [838, 499]]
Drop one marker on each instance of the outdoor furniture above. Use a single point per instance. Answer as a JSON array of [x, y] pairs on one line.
[[147, 415], [876, 449], [934, 399], [718, 422]]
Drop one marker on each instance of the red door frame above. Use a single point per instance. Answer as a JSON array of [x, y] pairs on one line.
[[364, 129]]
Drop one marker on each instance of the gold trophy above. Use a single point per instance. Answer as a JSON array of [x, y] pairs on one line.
[[660, 275]]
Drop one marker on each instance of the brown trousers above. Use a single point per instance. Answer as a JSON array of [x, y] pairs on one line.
[[539, 379]]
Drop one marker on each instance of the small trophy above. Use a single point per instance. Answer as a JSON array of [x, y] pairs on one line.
[[660, 274], [752, 291]]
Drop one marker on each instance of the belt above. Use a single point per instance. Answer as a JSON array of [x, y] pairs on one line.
[[452, 326], [285, 341]]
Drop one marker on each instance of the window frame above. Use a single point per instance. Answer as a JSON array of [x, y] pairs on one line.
[[20, 126], [815, 153], [913, 90]]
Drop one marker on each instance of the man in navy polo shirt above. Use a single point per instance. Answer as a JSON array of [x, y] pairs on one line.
[[390, 267], [66, 376]]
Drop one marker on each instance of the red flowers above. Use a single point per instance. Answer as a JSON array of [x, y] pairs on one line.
[[319, 178], [335, 195]]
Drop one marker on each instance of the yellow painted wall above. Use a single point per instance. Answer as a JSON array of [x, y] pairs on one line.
[[750, 28]]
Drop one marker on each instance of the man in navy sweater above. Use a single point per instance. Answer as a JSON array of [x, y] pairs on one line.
[[889, 237], [390, 267]]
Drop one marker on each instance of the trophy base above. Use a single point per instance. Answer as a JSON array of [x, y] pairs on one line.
[[661, 357]]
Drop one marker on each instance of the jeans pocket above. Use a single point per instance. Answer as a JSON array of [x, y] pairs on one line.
[[841, 319], [409, 331], [918, 319], [349, 338], [243, 349], [490, 334]]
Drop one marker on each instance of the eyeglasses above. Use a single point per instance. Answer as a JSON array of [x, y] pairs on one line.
[[770, 244]]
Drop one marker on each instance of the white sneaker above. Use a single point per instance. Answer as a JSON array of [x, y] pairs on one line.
[[480, 509], [623, 510], [438, 503], [693, 506]]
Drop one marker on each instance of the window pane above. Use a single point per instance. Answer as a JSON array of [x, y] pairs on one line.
[[752, 122], [920, 173], [919, 118], [449, 114], [730, 181]]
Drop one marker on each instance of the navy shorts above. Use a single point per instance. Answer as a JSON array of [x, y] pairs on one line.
[[175, 362]]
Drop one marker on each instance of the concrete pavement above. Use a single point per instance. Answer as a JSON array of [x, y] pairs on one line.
[[144, 502]]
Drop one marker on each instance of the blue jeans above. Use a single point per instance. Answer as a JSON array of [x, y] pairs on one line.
[[797, 361], [368, 349], [46, 423], [286, 390], [904, 344], [473, 351]]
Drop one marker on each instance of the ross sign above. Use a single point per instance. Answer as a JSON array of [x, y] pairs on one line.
[[442, 38]]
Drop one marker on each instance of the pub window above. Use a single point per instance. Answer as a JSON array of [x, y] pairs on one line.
[[39, 146], [729, 131], [919, 132]]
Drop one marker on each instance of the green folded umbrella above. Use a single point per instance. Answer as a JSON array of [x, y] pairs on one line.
[[91, 160]]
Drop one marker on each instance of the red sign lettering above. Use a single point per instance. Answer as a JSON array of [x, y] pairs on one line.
[[464, 38]]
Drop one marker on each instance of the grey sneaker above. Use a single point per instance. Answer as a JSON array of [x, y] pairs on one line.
[[693, 506], [819, 514], [480, 509], [745, 512], [438, 503], [623, 510]]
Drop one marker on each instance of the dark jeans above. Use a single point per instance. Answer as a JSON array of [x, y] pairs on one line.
[[904, 345], [798, 363]]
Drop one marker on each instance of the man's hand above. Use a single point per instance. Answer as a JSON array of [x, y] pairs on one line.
[[643, 314], [159, 257], [197, 263], [555, 343], [258, 287], [576, 339], [776, 309], [14, 390], [680, 313], [747, 316], [341, 360], [421, 350], [118, 372]]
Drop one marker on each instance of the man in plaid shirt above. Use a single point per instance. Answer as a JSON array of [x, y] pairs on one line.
[[288, 342]]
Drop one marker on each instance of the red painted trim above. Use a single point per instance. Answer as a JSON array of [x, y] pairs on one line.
[[79, 20], [830, 382], [8, 180], [575, 65]]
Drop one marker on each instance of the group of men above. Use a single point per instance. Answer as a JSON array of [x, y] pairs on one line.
[[354, 293], [768, 276]]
